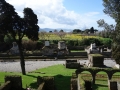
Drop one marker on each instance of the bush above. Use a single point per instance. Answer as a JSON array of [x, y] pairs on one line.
[[106, 41], [88, 41], [29, 44], [8, 39]]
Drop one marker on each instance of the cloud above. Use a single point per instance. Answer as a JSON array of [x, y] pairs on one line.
[[92, 13], [53, 14]]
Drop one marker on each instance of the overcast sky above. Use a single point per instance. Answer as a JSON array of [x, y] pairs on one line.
[[68, 14]]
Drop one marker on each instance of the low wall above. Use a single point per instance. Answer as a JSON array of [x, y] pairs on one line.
[[76, 47], [106, 54], [118, 85], [46, 83], [41, 86], [112, 85], [16, 81], [78, 53], [74, 82], [73, 64], [6, 86], [80, 83]]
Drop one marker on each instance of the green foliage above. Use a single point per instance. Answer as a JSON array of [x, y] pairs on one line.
[[54, 41], [91, 40], [31, 24], [8, 39], [112, 8], [106, 41]]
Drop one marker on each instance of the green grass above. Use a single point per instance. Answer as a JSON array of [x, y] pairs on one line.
[[101, 81], [62, 77], [61, 74], [77, 51]]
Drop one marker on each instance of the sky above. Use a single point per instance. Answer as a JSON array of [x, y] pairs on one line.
[[65, 14]]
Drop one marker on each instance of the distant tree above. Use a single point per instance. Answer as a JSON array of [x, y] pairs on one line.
[[61, 30], [11, 24], [112, 8], [61, 34], [48, 35], [50, 31], [55, 31], [86, 31], [42, 35], [75, 31], [92, 30]]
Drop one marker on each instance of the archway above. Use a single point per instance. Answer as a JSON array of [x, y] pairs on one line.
[[101, 80], [86, 75], [116, 76]]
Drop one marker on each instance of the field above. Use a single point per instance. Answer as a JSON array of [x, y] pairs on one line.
[[50, 36], [62, 77]]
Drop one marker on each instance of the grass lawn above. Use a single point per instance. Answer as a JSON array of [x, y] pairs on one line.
[[77, 51], [62, 77]]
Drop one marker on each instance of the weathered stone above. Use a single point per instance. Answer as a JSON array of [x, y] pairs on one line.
[[74, 64], [95, 60]]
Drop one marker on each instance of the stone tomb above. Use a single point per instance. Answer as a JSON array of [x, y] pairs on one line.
[[14, 49], [73, 64], [95, 60]]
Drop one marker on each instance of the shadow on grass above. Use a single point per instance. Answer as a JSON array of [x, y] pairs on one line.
[[31, 76], [96, 86], [62, 82], [33, 85]]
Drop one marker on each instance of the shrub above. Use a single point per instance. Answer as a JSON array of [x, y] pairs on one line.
[[8, 39], [106, 41]]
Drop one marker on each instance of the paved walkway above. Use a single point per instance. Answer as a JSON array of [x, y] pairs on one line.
[[33, 65]]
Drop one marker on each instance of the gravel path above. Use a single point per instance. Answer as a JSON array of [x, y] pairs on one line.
[[33, 65]]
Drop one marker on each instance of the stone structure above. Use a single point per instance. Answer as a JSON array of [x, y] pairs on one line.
[[94, 71], [92, 49], [47, 43], [74, 64], [14, 49], [112, 85], [61, 45], [95, 60], [12, 82], [61, 49]]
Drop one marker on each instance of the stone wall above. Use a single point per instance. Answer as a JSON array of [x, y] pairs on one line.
[[118, 85], [80, 83], [46, 83], [78, 53], [76, 47], [73, 64], [73, 82], [6, 86], [16, 82], [112, 85], [41, 86], [96, 60]]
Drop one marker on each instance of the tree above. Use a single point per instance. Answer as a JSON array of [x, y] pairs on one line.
[[92, 30], [112, 8], [75, 31], [108, 29], [61, 34], [12, 24], [42, 34]]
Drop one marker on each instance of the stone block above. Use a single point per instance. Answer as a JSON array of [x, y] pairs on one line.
[[96, 60]]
